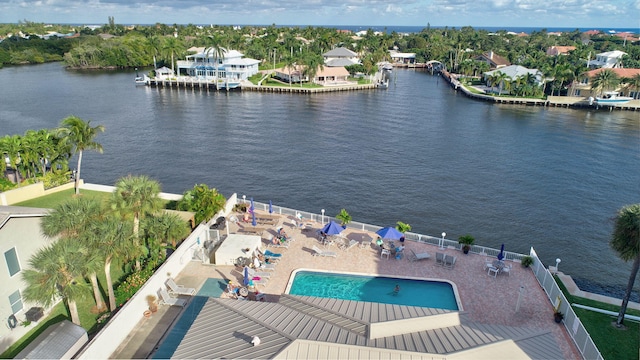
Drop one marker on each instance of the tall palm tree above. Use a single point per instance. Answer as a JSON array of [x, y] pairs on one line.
[[80, 136], [136, 196], [10, 147], [113, 243], [54, 272], [73, 220], [626, 242], [634, 82]]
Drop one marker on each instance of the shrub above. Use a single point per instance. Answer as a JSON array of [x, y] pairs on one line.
[[131, 285], [527, 261]]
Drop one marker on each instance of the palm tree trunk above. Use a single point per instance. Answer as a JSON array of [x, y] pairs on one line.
[[96, 292], [107, 274], [627, 294], [73, 311], [136, 227], [77, 179]]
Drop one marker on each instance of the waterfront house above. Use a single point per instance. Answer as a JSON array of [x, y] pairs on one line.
[[20, 238], [294, 72], [325, 76], [340, 57], [402, 58], [607, 60], [494, 60], [582, 86], [514, 72], [164, 73], [230, 65]]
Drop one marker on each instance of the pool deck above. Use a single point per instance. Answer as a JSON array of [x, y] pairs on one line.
[[484, 298]]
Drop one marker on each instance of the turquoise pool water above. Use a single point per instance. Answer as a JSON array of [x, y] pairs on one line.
[[425, 293]]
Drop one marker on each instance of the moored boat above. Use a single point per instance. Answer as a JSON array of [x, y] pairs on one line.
[[610, 98]]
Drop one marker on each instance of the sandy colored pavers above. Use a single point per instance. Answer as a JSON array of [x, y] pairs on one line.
[[484, 298]]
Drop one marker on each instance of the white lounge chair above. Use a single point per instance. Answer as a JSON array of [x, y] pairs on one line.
[[419, 256], [176, 289], [318, 252], [440, 258], [166, 299], [261, 274]]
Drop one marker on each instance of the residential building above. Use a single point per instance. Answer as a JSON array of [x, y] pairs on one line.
[[582, 86], [513, 72], [20, 238], [340, 57], [559, 50], [494, 60], [230, 65], [402, 58], [607, 60]]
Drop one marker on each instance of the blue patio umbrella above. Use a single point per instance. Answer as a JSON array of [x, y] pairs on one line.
[[270, 207], [251, 208], [332, 228], [253, 219], [246, 279], [501, 254], [390, 233]]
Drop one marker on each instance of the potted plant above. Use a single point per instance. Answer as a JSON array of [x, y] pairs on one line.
[[466, 241], [151, 301], [403, 227], [558, 316], [344, 218], [526, 261]]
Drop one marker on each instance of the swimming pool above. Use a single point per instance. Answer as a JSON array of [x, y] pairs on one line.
[[431, 293]]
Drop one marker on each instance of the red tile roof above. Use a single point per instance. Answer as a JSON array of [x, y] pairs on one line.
[[623, 73]]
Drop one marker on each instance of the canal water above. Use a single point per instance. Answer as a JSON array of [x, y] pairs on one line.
[[417, 152]]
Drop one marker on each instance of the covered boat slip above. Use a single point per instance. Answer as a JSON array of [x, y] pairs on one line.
[[235, 246]]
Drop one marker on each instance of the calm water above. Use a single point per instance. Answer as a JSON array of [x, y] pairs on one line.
[[432, 294], [418, 152]]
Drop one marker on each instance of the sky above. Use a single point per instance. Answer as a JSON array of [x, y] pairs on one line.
[[456, 13]]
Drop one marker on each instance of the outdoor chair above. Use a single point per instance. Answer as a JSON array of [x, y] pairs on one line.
[[176, 289], [348, 246], [449, 261], [385, 252], [166, 299], [418, 256], [440, 259], [261, 274], [318, 252], [506, 269]]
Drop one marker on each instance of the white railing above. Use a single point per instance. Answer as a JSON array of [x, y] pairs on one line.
[[576, 330], [572, 323]]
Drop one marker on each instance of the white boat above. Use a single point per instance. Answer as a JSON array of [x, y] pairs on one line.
[[611, 98], [140, 80]]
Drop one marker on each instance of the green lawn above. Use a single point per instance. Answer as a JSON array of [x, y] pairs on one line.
[[50, 201], [612, 342]]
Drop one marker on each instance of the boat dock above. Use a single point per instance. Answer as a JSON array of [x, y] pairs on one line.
[[208, 85], [555, 101]]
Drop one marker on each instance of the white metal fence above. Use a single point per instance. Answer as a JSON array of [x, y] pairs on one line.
[[571, 322]]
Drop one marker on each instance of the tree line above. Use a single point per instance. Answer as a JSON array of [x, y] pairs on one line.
[[161, 44]]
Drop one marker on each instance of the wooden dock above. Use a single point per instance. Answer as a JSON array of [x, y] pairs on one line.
[[208, 85]]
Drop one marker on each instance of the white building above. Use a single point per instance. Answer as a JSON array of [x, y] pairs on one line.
[[340, 57], [20, 238], [204, 64], [607, 60]]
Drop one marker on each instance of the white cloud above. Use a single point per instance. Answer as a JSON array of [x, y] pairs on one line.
[[521, 13]]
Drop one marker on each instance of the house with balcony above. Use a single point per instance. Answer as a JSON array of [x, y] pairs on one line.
[[607, 60], [582, 85], [402, 58], [230, 65]]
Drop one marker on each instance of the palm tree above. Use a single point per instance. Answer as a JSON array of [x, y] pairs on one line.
[[80, 136], [54, 272], [634, 82], [113, 243], [626, 242], [160, 231], [136, 196], [73, 220], [11, 146], [605, 80]]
